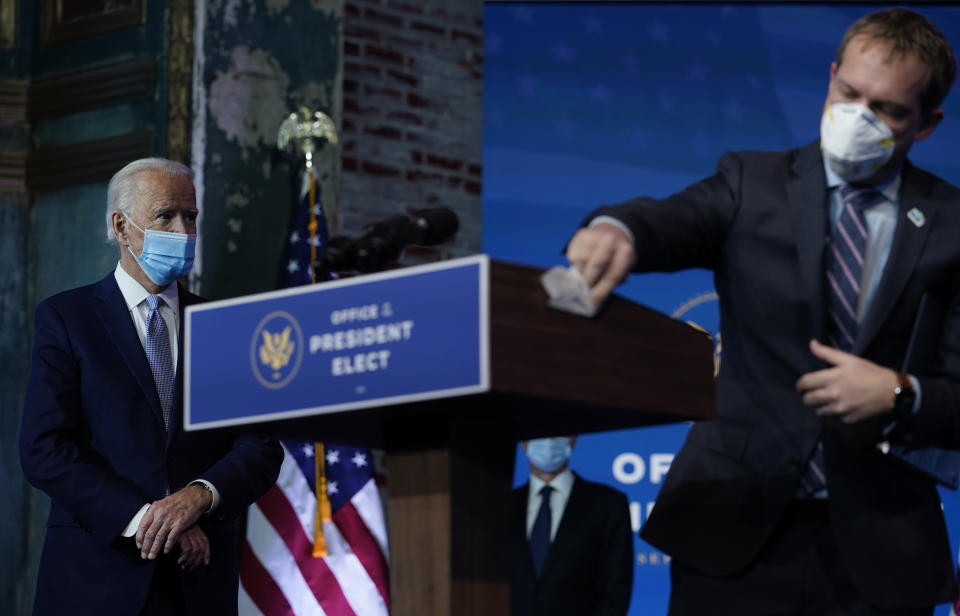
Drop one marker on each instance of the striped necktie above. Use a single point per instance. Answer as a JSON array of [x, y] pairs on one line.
[[157, 347], [845, 264], [844, 273]]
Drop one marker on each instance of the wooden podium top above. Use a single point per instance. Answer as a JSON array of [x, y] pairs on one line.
[[551, 373], [628, 366]]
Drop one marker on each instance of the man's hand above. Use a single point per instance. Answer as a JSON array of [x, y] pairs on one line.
[[194, 549], [852, 389], [167, 519], [604, 255]]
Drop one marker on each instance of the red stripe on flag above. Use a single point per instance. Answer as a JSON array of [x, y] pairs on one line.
[[259, 584], [315, 571], [365, 546]]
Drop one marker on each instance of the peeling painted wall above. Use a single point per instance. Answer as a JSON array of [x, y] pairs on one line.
[[257, 61]]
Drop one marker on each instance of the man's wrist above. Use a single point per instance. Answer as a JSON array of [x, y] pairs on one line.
[[134, 523], [207, 492], [904, 397], [615, 223]]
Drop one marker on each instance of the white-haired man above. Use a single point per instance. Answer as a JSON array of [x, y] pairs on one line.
[[141, 518]]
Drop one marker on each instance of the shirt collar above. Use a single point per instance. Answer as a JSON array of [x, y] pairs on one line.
[[562, 483], [134, 294], [890, 189]]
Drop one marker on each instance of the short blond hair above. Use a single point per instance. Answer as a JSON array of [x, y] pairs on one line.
[[909, 32]]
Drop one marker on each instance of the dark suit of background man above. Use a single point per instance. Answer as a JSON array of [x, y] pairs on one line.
[[572, 543], [783, 504], [141, 518]]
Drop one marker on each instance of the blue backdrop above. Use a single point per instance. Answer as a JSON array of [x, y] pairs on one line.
[[588, 104]]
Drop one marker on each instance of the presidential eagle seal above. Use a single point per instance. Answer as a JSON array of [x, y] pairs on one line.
[[276, 350], [698, 311]]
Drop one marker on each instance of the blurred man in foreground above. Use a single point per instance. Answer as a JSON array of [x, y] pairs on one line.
[[822, 257]]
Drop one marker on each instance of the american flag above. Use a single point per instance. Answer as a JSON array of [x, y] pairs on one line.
[[307, 237], [279, 572], [316, 542]]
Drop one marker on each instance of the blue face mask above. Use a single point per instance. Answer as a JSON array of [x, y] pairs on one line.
[[165, 256], [549, 454]]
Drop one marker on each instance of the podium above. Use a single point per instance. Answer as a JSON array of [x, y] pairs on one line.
[[450, 458]]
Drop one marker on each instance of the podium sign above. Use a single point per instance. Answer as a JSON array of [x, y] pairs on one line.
[[389, 338]]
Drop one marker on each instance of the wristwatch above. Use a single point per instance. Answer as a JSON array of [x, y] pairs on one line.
[[903, 397]]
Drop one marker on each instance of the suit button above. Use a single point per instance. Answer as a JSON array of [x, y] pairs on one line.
[[795, 464]]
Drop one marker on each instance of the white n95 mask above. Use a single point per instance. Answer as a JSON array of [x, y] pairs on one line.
[[855, 142]]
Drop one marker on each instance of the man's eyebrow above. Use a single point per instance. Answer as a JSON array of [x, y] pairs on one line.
[[846, 85]]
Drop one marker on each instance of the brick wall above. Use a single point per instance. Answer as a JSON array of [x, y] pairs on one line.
[[413, 116]]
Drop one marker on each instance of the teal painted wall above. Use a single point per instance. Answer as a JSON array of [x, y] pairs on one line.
[[17, 502], [52, 241], [261, 61], [18, 533]]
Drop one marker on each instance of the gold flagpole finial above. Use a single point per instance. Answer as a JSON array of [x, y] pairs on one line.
[[302, 130]]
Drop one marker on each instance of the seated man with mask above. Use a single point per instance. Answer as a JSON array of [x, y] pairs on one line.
[[572, 547]]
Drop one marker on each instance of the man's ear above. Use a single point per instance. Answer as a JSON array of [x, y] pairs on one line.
[[928, 124], [119, 225]]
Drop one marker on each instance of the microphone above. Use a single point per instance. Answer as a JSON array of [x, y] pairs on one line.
[[385, 240]]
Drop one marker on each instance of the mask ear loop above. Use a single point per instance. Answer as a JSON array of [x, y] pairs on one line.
[[130, 220]]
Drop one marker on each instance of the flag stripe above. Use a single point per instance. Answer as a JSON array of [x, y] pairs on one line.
[[324, 585], [364, 545], [269, 547], [363, 595], [298, 492], [367, 502], [361, 592], [260, 587]]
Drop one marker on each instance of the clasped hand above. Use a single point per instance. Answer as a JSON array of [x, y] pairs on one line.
[[168, 519], [851, 388]]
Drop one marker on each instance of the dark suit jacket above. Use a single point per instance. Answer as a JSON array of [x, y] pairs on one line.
[[589, 568], [761, 224], [93, 439]]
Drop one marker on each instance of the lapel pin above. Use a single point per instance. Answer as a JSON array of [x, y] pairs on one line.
[[916, 217]]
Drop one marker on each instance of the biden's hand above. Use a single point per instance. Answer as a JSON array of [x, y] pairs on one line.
[[170, 517], [194, 549]]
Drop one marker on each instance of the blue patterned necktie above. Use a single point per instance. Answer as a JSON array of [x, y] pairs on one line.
[[540, 534], [845, 264], [157, 346], [844, 273]]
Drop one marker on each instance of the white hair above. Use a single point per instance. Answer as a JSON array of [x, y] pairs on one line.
[[123, 185]]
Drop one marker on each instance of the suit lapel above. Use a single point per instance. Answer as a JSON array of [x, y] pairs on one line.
[[112, 311], [522, 496], [908, 242], [807, 196]]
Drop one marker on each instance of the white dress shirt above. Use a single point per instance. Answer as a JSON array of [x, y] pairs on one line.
[[135, 297], [562, 485]]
